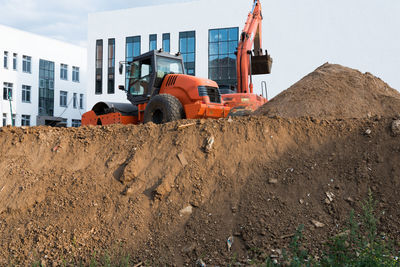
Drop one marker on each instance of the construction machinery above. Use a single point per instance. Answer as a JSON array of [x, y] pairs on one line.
[[159, 92], [249, 62]]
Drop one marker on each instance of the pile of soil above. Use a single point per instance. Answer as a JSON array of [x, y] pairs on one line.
[[173, 195], [333, 91]]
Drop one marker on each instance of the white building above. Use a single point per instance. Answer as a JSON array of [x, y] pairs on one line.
[[299, 35], [205, 36], [45, 79]]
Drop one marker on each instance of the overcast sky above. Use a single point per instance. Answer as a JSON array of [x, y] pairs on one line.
[[65, 20]]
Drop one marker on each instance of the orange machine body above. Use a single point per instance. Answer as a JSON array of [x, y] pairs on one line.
[[186, 89]]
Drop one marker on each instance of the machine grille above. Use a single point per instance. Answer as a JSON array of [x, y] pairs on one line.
[[171, 80], [211, 92]]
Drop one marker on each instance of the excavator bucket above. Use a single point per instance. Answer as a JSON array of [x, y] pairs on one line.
[[261, 64]]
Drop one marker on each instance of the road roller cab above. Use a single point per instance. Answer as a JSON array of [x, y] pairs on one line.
[[159, 91]]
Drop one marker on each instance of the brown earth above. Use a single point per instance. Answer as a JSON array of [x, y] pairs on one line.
[[333, 91], [66, 193], [171, 195]]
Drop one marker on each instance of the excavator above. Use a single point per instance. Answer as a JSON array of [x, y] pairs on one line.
[[248, 63], [159, 91]]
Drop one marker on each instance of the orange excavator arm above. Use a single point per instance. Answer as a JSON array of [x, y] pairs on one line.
[[248, 64]]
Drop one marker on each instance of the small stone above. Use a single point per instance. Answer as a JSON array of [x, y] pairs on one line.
[[273, 181], [317, 224], [301, 201], [209, 144], [396, 127], [368, 132], [182, 159], [330, 196], [186, 211]]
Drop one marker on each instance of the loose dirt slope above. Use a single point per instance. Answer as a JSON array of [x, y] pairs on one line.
[[334, 91], [65, 193]]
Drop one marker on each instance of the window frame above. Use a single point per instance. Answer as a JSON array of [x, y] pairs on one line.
[[99, 67], [5, 58], [81, 96], [111, 66], [26, 90], [75, 74], [26, 64], [15, 61], [64, 98], [25, 120], [229, 68], [166, 37], [152, 40], [7, 88], [185, 54], [63, 72]]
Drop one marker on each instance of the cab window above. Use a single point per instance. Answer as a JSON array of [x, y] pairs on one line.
[[139, 77]]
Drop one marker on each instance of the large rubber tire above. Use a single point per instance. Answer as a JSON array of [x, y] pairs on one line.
[[163, 108]]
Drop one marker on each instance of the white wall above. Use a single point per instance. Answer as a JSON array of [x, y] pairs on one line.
[[300, 36], [38, 47]]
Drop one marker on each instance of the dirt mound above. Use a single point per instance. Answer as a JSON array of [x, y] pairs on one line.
[[334, 91], [172, 195]]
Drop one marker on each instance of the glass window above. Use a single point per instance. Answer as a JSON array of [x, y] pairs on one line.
[[139, 77], [13, 117], [81, 101], [132, 50], [26, 93], [168, 65], [187, 46], [63, 98], [26, 64], [75, 100], [153, 42], [4, 119], [75, 74], [15, 56], [7, 91], [5, 59], [166, 42], [111, 66], [25, 120], [222, 44], [63, 72], [46, 88], [99, 67], [76, 123]]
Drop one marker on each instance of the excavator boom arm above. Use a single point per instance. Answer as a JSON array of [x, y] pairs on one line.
[[251, 36]]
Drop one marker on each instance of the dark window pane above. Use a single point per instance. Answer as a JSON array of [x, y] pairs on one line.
[[213, 73], [213, 61]]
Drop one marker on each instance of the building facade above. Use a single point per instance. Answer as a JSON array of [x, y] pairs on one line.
[[204, 31], [43, 80]]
